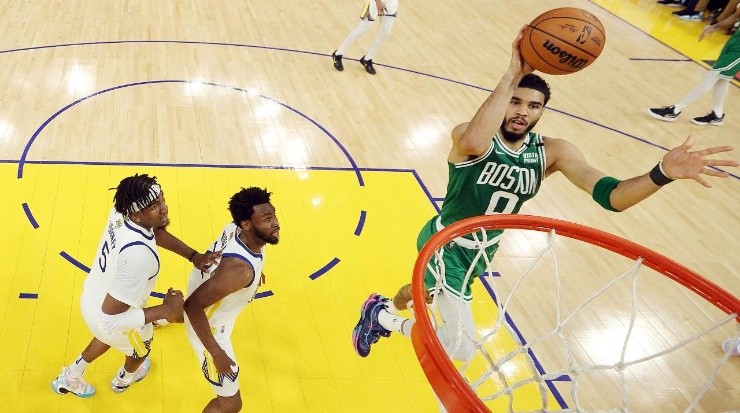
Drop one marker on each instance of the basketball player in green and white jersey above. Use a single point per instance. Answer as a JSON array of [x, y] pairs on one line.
[[723, 71], [496, 164]]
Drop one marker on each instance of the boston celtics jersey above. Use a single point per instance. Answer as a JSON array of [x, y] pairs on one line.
[[498, 182]]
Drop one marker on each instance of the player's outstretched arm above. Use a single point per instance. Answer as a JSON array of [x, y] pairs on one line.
[[170, 242], [231, 275], [120, 316], [474, 138], [680, 163], [616, 195]]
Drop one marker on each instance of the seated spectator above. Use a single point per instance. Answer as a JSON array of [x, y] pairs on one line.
[[694, 9], [727, 11]]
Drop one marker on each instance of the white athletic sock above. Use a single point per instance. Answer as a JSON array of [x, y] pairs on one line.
[[386, 24], [125, 375], [458, 331], [720, 93], [709, 79], [77, 368], [392, 322], [392, 307], [354, 35]]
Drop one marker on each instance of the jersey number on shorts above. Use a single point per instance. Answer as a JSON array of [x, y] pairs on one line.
[[102, 261], [502, 203]]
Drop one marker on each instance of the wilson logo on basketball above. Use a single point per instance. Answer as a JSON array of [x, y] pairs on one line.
[[565, 57]]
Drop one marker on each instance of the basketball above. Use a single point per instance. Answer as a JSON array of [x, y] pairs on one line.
[[563, 41]]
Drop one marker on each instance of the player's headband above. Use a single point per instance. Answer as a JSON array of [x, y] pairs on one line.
[[145, 200]]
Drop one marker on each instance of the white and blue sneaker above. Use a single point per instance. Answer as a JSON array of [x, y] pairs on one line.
[[65, 383], [119, 385]]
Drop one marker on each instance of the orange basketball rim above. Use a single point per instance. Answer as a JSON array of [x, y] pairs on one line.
[[448, 384]]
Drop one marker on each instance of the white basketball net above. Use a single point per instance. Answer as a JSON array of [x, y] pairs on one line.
[[494, 382]]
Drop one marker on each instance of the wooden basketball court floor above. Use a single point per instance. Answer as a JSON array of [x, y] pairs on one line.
[[210, 97]]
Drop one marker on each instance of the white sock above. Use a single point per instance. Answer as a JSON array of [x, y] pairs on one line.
[[77, 368], [354, 35], [709, 79], [124, 375], [720, 93], [392, 322], [392, 307]]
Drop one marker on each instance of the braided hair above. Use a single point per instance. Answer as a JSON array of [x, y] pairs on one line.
[[241, 205], [135, 193]]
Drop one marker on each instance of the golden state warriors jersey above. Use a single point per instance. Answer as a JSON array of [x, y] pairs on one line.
[[126, 264], [228, 308]]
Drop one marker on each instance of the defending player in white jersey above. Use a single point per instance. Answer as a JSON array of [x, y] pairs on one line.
[[215, 299], [120, 281]]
